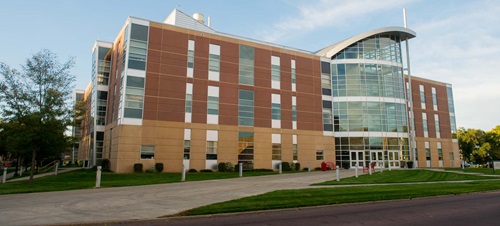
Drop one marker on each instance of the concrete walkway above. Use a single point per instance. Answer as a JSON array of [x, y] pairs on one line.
[[26, 174], [143, 202]]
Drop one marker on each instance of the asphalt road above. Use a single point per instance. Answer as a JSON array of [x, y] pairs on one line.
[[467, 209]]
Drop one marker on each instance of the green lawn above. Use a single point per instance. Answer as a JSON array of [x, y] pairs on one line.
[[476, 170], [85, 178], [404, 176], [328, 196]]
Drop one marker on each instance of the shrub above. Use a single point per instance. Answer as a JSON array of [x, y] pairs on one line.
[[206, 171], [262, 170], [229, 167], [297, 166], [192, 171], [222, 167], [151, 170], [106, 165], [159, 167], [138, 168], [286, 166], [305, 169], [317, 168]]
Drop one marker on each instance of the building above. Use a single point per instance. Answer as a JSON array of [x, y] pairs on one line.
[[75, 128], [181, 93]]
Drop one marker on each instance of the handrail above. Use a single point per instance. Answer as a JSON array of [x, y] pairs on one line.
[[47, 167]]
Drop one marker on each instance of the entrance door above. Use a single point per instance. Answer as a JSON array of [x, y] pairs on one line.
[[357, 157], [378, 157], [393, 158]]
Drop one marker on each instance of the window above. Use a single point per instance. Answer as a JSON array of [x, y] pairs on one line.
[[326, 78], [187, 148], [294, 75], [427, 151], [245, 149], [102, 97], [147, 151], [214, 63], [424, 124], [275, 73], [138, 47], [190, 59], [319, 155], [434, 99], [211, 150], [422, 96], [451, 109], [276, 152], [436, 123], [213, 105], [134, 97], [189, 103], [295, 152], [294, 113], [276, 111], [246, 65], [440, 151], [245, 108]]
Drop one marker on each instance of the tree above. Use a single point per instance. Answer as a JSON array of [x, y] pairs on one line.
[[35, 99], [493, 138], [470, 142]]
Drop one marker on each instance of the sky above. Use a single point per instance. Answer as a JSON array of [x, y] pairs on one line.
[[458, 41]]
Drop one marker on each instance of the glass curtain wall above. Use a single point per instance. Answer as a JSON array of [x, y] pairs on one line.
[[369, 103]]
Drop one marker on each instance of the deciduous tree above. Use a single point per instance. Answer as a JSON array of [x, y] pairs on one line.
[[36, 98]]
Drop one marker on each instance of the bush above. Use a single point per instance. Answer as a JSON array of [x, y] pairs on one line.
[[305, 169], [262, 170], [192, 171], [138, 168], [229, 167], [317, 168], [159, 167], [297, 166], [151, 170], [221, 167], [106, 165], [206, 171], [286, 166]]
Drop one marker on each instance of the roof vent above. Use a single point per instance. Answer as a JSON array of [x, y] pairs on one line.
[[199, 17]]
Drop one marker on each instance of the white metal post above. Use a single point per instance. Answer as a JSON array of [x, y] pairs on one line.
[[382, 167], [389, 164], [98, 177], [280, 168], [337, 173], [241, 169], [183, 177], [57, 168], [370, 168], [308, 166], [4, 178], [356, 170]]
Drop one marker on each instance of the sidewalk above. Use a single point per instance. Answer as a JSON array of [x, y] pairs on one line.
[[144, 202], [61, 170]]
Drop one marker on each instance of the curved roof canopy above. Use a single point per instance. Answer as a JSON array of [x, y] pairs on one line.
[[331, 50]]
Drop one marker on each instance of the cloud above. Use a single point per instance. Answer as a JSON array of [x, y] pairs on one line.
[[324, 13], [462, 48]]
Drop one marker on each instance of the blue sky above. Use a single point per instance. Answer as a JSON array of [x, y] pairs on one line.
[[457, 42]]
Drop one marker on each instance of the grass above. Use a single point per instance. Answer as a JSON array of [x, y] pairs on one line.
[[327, 196], [476, 170], [85, 179], [404, 176]]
